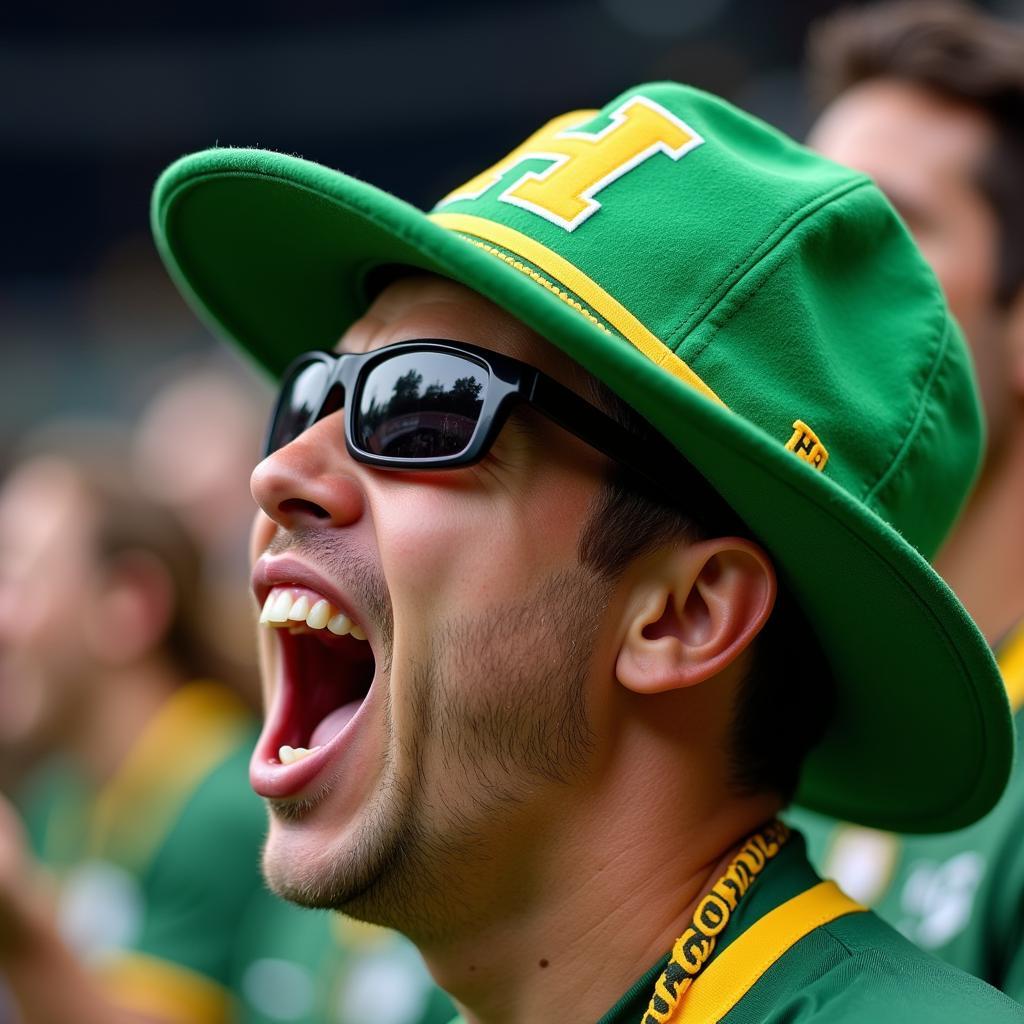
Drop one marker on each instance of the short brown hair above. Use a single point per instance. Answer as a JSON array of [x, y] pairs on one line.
[[960, 53]]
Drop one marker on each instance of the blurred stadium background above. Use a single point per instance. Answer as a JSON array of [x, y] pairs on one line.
[[412, 96]]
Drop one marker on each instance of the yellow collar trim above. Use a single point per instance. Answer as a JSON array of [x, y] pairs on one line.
[[135, 809], [588, 290], [736, 970], [1011, 665]]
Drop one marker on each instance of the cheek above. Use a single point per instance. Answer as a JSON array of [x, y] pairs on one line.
[[53, 616], [449, 552], [51, 657]]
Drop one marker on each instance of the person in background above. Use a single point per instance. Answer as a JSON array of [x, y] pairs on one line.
[[928, 99], [142, 813], [195, 439]]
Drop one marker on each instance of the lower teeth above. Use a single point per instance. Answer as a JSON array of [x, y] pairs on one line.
[[289, 755]]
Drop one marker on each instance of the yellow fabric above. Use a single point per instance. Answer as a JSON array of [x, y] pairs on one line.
[[165, 991], [542, 281], [538, 141], [580, 163], [589, 291], [1011, 664], [806, 444], [692, 950], [197, 727], [739, 966]]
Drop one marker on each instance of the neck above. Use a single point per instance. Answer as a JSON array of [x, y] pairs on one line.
[[121, 704], [983, 561], [617, 882]]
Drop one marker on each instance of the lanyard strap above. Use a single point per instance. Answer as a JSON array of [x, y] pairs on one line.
[[740, 966], [694, 947]]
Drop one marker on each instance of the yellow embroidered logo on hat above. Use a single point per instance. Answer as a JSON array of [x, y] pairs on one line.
[[583, 163], [806, 445]]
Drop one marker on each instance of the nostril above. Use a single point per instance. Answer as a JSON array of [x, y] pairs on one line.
[[301, 507], [310, 481]]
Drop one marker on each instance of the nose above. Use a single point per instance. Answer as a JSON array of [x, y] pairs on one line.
[[311, 481]]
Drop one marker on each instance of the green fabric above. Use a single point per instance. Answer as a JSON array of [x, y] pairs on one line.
[[855, 969], [790, 286], [789, 875], [786, 876], [186, 902], [200, 902], [959, 895], [314, 967], [205, 872]]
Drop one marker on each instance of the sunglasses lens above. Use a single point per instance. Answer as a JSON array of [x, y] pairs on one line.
[[299, 401], [423, 405]]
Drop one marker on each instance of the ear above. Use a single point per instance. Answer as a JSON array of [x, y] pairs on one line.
[[693, 612], [132, 610]]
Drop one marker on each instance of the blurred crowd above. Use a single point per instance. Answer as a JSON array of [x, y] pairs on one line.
[[128, 710], [129, 838]]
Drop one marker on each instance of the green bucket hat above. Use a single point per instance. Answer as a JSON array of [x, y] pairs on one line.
[[762, 307]]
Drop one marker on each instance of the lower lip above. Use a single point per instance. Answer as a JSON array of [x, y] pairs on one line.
[[274, 780]]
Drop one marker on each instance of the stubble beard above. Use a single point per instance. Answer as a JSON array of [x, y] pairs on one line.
[[499, 707]]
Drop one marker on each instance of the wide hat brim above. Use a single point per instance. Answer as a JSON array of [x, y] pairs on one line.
[[274, 252]]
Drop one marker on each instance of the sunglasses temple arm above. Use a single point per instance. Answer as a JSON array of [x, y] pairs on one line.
[[600, 431], [653, 458]]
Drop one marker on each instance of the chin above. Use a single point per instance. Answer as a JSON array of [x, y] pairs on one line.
[[386, 871], [308, 860]]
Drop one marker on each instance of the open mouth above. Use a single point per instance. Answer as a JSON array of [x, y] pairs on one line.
[[327, 670]]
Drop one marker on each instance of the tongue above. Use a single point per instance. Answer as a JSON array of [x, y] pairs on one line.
[[334, 723]]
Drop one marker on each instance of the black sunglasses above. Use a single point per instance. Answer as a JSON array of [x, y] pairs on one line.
[[421, 405], [429, 404]]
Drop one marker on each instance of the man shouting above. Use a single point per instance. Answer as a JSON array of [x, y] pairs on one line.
[[593, 525]]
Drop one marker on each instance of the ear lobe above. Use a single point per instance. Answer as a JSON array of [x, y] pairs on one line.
[[695, 614]]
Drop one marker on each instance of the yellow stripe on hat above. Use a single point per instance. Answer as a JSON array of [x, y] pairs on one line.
[[588, 290]]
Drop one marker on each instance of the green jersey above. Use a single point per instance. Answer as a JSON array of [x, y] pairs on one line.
[[775, 963], [316, 967], [160, 889], [156, 870], [959, 895]]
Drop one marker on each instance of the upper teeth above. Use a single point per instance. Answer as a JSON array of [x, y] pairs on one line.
[[285, 608]]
